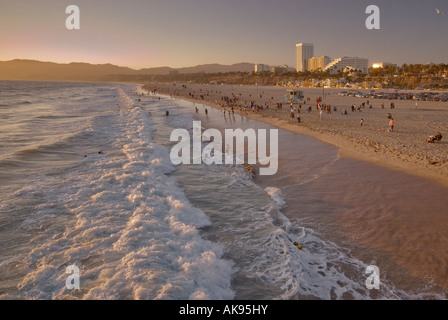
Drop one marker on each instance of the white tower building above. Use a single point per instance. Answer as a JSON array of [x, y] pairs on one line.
[[304, 51]]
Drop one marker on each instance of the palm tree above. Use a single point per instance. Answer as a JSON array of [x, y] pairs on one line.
[[405, 68]]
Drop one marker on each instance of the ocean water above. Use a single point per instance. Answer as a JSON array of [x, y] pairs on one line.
[[86, 180]]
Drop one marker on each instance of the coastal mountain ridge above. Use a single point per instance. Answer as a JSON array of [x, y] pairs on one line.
[[80, 71]]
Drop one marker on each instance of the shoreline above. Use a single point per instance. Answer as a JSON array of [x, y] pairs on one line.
[[348, 146], [367, 223]]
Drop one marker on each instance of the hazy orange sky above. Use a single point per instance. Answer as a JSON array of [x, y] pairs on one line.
[[181, 33]]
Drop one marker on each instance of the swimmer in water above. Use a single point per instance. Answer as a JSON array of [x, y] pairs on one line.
[[298, 245]]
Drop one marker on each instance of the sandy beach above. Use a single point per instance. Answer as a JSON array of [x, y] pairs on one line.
[[404, 149]]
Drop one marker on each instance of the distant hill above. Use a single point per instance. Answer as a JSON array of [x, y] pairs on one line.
[[216, 68], [46, 71], [37, 70]]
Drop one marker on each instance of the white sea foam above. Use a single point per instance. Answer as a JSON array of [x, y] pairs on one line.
[[128, 227], [276, 196]]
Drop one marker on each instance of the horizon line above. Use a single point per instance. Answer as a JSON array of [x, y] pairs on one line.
[[123, 66], [184, 67]]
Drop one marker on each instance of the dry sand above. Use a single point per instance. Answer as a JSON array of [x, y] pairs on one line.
[[404, 149]]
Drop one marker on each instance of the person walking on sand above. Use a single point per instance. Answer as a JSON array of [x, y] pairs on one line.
[[362, 122], [391, 125]]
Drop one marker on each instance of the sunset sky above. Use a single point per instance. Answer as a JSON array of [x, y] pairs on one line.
[[181, 33]]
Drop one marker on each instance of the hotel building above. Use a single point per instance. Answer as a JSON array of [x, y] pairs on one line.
[[304, 51], [344, 63], [318, 63]]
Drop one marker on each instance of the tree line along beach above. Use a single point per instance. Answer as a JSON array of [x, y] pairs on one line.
[[359, 126]]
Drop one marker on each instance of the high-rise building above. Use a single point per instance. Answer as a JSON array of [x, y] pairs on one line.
[[304, 51], [318, 63]]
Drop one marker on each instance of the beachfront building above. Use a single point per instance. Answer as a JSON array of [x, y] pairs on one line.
[[318, 63], [280, 69], [304, 51], [380, 65], [262, 68], [345, 63]]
